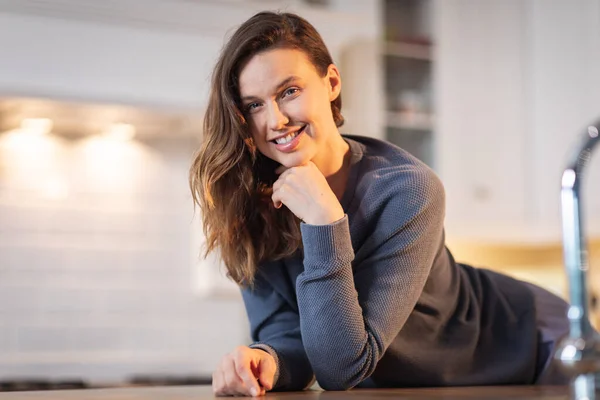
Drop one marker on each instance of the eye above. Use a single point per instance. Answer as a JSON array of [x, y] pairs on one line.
[[251, 107], [291, 91]]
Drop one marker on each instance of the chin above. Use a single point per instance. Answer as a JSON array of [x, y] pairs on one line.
[[294, 160]]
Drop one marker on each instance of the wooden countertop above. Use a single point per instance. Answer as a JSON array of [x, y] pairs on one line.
[[205, 392]]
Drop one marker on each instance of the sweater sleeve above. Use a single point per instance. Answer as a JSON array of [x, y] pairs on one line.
[[349, 314], [275, 328]]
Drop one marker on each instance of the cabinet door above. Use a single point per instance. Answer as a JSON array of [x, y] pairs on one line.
[[565, 79], [481, 94], [362, 88]]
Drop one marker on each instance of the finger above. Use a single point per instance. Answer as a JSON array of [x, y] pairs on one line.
[[286, 172], [218, 383], [277, 185], [281, 181], [281, 169], [255, 371], [266, 372], [233, 382], [277, 197], [286, 180], [243, 369], [215, 382]]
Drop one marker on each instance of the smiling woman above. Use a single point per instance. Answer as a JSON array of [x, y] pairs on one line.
[[337, 241], [286, 101], [258, 98]]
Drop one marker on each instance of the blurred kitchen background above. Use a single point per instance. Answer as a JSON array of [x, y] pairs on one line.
[[101, 107]]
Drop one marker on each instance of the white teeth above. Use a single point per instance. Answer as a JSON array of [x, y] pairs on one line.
[[286, 139]]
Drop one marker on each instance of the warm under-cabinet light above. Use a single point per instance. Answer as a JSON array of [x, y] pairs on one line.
[[36, 126], [120, 132]]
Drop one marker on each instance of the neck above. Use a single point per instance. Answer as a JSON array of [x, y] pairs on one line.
[[334, 164]]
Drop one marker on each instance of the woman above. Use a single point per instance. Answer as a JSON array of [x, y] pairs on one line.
[[337, 241]]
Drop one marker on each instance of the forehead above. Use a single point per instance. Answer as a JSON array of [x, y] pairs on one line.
[[267, 69]]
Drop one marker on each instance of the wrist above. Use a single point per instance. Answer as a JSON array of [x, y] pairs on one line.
[[326, 218], [264, 351]]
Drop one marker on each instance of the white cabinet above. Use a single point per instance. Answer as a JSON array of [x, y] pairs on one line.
[[142, 52], [517, 82], [157, 53], [481, 113], [565, 76], [102, 54]]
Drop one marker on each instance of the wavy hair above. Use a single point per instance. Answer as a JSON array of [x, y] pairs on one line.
[[230, 180]]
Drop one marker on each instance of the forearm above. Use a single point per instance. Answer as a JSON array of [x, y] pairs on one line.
[[275, 328], [340, 346]]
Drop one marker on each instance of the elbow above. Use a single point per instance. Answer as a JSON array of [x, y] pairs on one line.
[[297, 386], [345, 372], [335, 379], [335, 385]]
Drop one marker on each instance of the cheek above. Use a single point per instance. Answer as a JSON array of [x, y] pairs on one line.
[[256, 128], [302, 109], [317, 106], [258, 132]]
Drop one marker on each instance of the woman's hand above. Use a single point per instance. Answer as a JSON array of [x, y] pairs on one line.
[[305, 191], [244, 372]]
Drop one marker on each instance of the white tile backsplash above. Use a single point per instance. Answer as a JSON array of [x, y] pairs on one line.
[[97, 280]]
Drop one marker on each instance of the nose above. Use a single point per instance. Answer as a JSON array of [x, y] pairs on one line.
[[276, 119]]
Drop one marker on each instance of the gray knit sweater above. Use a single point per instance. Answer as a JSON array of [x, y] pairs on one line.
[[376, 299]]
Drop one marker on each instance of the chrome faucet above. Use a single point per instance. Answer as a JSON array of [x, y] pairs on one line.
[[579, 352]]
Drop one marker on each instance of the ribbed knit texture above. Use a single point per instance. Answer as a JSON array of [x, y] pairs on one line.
[[376, 299]]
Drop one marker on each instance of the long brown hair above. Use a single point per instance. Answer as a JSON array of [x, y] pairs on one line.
[[230, 180]]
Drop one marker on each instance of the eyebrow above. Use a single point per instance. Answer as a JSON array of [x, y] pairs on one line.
[[277, 88]]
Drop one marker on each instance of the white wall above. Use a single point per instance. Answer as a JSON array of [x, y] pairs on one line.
[[102, 62], [146, 52], [96, 276]]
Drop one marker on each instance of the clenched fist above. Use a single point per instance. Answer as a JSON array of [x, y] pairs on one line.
[[305, 191], [244, 372]]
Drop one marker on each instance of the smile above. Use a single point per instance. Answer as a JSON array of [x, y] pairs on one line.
[[290, 137]]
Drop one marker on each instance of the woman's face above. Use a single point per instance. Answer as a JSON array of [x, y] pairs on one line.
[[288, 105]]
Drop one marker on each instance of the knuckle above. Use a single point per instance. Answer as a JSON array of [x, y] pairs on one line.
[[241, 371], [230, 382], [218, 390], [217, 387], [239, 359]]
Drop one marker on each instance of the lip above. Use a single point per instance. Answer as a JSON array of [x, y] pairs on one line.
[[291, 146], [287, 133]]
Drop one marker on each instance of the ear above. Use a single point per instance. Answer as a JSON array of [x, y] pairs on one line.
[[334, 81]]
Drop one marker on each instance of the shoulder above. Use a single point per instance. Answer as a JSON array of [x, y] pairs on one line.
[[389, 177], [398, 203]]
